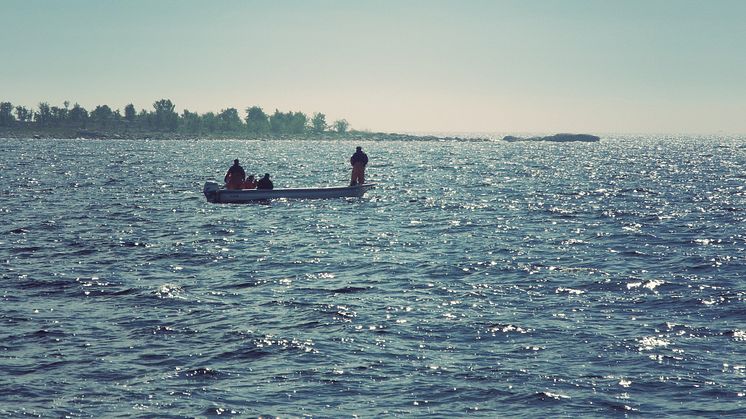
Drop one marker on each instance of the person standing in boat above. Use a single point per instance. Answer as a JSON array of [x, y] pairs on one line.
[[250, 183], [265, 183], [358, 161], [235, 176]]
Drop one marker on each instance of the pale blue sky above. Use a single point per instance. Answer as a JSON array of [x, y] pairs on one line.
[[596, 66]]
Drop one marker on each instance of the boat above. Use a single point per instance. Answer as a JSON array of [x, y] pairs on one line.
[[216, 194]]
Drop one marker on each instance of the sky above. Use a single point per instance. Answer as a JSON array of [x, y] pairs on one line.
[[507, 66]]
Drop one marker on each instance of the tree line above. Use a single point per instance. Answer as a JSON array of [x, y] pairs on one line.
[[163, 117]]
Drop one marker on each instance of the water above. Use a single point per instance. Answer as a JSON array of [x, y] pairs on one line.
[[482, 278]]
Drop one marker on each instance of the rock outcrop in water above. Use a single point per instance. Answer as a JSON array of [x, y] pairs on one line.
[[558, 138]]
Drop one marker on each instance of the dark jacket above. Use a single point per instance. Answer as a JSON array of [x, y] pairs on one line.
[[264, 183], [235, 172], [359, 157]]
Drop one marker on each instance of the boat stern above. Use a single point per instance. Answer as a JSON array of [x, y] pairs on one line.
[[211, 191]]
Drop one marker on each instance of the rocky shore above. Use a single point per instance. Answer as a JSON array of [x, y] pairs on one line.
[[69, 133]]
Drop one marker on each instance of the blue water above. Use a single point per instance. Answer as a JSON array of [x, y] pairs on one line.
[[481, 278]]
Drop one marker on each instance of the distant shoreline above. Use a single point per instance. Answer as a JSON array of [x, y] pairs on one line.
[[72, 133]]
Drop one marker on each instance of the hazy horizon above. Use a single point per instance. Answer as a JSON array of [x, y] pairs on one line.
[[675, 67]]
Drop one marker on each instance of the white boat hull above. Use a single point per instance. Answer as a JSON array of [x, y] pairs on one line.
[[215, 194]]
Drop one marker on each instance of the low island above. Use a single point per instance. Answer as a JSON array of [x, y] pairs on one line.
[[557, 138]]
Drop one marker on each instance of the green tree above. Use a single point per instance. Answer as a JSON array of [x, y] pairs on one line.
[[145, 119], [341, 126], [288, 123], [102, 115], [44, 116], [65, 112], [78, 116], [210, 122], [130, 113], [278, 122], [191, 122], [23, 114], [298, 122], [229, 120], [165, 117], [59, 115], [256, 120], [319, 122], [6, 114]]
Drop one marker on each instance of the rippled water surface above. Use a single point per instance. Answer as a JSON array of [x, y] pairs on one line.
[[482, 278]]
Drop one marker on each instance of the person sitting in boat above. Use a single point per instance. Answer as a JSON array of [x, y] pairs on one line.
[[265, 183], [235, 176], [250, 182], [358, 162]]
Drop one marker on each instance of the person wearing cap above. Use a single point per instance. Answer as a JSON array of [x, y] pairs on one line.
[[358, 162], [265, 183], [235, 176]]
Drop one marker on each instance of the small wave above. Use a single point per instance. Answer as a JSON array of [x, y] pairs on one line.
[[169, 291], [618, 407], [49, 285], [507, 328], [651, 285], [546, 395], [568, 291], [737, 335], [129, 243], [203, 373], [227, 411], [20, 230], [349, 290], [649, 343], [29, 249], [244, 353]]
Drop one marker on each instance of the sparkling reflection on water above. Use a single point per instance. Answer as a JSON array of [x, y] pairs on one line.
[[483, 278]]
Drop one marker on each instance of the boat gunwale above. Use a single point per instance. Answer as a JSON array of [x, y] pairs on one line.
[[322, 188]]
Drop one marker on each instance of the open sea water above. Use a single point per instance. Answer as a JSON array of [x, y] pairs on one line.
[[479, 278]]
